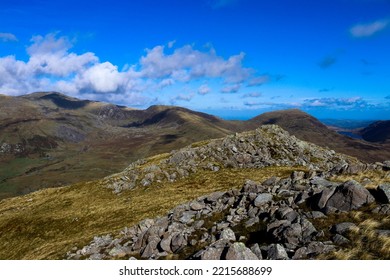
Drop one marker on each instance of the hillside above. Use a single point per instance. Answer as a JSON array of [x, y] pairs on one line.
[[52, 139], [308, 128], [48, 139], [376, 132], [221, 193]]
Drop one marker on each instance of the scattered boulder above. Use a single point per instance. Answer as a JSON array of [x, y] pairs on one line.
[[262, 199], [238, 251], [345, 197], [276, 252], [228, 234], [343, 228]]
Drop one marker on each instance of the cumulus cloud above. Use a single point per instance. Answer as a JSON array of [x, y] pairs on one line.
[[8, 37], [52, 65], [203, 90], [186, 63], [231, 89], [369, 29]]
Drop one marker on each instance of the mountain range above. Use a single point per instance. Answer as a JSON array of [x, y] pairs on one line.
[[48, 139]]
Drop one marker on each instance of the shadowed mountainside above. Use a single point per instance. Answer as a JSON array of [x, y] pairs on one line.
[[376, 132]]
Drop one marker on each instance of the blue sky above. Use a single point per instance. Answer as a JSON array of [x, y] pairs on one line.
[[232, 58]]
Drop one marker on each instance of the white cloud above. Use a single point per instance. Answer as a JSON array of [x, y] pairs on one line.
[[8, 37], [53, 66], [186, 63], [100, 78], [203, 90], [368, 29]]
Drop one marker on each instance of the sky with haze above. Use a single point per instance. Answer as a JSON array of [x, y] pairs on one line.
[[232, 58]]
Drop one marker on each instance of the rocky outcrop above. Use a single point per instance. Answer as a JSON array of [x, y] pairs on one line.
[[267, 146], [269, 220], [346, 197]]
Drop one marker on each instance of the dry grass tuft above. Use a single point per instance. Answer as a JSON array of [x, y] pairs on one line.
[[366, 243], [373, 178]]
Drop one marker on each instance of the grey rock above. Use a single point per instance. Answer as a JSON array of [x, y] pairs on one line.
[[198, 224], [383, 192], [300, 254], [383, 232], [165, 243], [96, 257], [349, 196], [315, 215], [286, 213], [187, 217], [196, 206], [321, 182], [326, 194], [238, 251], [382, 209], [276, 252], [343, 228], [213, 197], [262, 199], [117, 252], [178, 242], [339, 239], [150, 249], [252, 221], [308, 230], [212, 253], [228, 234], [316, 248], [271, 181], [255, 248]]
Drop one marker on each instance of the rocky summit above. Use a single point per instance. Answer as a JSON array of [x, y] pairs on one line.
[[269, 145], [306, 215]]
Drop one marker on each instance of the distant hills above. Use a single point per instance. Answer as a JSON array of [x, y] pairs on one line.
[[49, 139]]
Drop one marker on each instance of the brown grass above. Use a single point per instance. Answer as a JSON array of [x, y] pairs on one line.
[[375, 176], [48, 223], [365, 242]]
